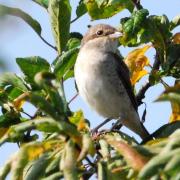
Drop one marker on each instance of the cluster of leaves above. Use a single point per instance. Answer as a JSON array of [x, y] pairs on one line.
[[67, 149]]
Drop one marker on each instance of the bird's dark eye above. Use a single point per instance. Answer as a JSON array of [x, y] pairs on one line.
[[99, 33]]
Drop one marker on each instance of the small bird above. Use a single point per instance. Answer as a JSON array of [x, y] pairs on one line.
[[103, 78]]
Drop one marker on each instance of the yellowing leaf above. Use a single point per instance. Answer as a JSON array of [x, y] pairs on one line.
[[138, 75], [136, 61], [20, 100], [176, 38], [79, 120], [175, 116]]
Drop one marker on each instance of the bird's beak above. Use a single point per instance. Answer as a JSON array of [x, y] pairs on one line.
[[115, 35]]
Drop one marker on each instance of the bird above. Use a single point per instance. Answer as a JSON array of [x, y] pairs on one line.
[[103, 79]]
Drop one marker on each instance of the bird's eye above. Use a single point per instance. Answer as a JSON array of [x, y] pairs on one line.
[[99, 33]]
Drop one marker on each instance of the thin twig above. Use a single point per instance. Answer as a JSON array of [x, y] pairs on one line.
[[48, 43], [75, 19], [73, 98]]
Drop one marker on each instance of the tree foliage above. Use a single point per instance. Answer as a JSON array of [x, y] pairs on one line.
[[67, 149]]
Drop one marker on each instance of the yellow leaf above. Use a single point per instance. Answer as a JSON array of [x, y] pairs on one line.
[[3, 131], [176, 38], [137, 75], [136, 61], [175, 116]]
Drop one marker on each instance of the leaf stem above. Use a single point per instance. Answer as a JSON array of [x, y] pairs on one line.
[[48, 43]]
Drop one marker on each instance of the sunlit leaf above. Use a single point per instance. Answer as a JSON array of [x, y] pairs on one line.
[[4, 10], [79, 120], [134, 158], [105, 9], [60, 15], [136, 61]]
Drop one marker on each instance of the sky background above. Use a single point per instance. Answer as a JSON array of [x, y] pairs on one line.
[[17, 39]]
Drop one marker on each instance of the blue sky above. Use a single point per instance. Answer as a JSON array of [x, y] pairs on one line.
[[17, 39]]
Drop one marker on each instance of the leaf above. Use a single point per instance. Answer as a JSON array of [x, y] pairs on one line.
[[171, 94], [60, 15], [105, 9], [30, 66], [3, 131], [37, 168], [156, 163], [176, 38], [79, 120], [81, 9], [7, 79], [131, 155], [54, 90], [68, 162], [135, 29], [65, 62], [175, 22], [136, 61], [43, 3], [87, 147], [166, 130], [4, 10], [27, 153]]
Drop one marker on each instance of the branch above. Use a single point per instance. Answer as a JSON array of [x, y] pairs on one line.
[[141, 94]]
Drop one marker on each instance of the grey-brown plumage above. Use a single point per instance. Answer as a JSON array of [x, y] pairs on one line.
[[103, 78]]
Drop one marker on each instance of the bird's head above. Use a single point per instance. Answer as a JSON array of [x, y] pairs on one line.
[[101, 36]]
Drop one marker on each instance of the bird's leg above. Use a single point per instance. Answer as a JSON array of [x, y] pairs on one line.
[[93, 131], [117, 125]]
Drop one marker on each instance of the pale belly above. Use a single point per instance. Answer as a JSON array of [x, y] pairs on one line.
[[103, 90]]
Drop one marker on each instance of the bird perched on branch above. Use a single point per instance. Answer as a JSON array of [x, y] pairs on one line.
[[103, 78]]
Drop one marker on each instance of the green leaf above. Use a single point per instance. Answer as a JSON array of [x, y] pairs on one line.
[[4, 10], [155, 164], [105, 9], [68, 162], [37, 169], [65, 62], [41, 103], [12, 79], [53, 88], [30, 66], [60, 15], [43, 3], [135, 29], [73, 43], [81, 9], [166, 130]]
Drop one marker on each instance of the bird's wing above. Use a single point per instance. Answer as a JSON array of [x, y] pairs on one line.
[[123, 73]]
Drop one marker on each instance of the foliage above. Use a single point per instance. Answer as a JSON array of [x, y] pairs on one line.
[[67, 149]]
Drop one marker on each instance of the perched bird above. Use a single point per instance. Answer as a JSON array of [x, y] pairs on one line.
[[103, 78]]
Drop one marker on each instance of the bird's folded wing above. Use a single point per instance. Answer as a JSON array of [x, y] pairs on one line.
[[123, 73]]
